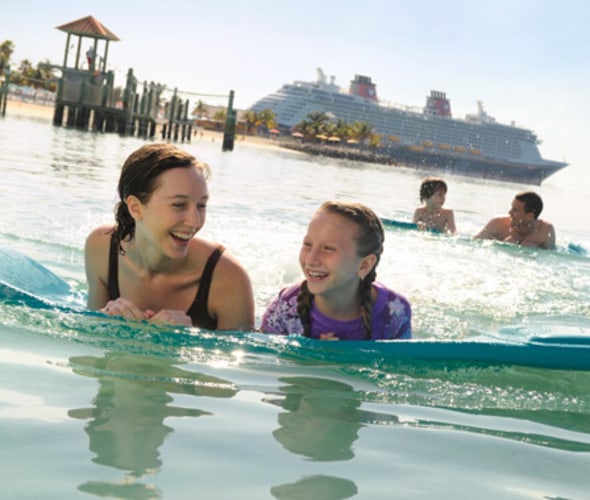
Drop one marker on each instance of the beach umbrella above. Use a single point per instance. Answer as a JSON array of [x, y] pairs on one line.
[[297, 134], [274, 131]]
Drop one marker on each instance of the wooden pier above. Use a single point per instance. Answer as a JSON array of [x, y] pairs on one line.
[[87, 98]]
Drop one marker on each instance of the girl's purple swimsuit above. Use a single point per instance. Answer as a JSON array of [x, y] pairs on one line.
[[391, 317]]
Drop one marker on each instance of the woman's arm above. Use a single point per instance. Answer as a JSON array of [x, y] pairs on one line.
[[96, 266], [231, 299]]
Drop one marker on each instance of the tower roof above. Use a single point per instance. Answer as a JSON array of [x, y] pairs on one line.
[[90, 27]]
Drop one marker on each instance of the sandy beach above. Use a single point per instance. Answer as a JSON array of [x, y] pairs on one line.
[[19, 108], [45, 112]]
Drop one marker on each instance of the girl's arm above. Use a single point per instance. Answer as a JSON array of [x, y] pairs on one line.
[[451, 222], [417, 216]]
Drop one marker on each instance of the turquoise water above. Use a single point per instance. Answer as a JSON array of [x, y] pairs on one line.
[[93, 406]]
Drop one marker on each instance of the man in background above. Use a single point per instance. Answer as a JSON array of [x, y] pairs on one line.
[[522, 226]]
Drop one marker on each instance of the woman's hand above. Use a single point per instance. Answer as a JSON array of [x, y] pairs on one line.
[[170, 316], [328, 336], [126, 309]]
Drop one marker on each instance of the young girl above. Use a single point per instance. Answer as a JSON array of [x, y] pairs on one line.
[[339, 298], [432, 215], [149, 265]]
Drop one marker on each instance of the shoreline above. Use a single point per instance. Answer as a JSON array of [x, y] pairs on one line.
[[440, 163], [22, 108], [45, 112]]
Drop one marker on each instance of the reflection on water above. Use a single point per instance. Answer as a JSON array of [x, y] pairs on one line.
[[321, 423], [317, 487], [126, 422], [322, 418]]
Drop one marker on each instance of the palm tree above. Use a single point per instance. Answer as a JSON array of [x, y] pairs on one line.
[[250, 119], [266, 118], [6, 50], [314, 125], [45, 73], [200, 109], [342, 129], [26, 73], [375, 140], [361, 131], [220, 115]]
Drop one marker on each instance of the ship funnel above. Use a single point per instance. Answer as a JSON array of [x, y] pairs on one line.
[[362, 86], [437, 104]]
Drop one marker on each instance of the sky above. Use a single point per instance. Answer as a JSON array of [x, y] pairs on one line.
[[528, 61]]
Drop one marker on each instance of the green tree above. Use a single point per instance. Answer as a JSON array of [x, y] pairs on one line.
[[266, 118], [361, 131], [6, 50], [315, 124], [25, 73], [251, 120], [375, 140], [200, 109], [342, 129], [45, 73], [220, 115]]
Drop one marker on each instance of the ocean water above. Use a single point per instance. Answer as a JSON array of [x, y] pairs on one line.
[[94, 406]]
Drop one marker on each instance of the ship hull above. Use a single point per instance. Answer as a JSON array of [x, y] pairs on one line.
[[432, 163]]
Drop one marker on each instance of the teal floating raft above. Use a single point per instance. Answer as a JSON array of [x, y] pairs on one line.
[[399, 224], [24, 281], [569, 249], [570, 352]]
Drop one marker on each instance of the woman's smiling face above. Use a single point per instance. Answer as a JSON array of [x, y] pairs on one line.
[[176, 210]]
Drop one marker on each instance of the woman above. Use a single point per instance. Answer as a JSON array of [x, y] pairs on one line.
[[339, 298], [149, 265]]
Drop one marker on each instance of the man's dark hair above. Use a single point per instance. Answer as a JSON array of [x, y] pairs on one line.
[[532, 202]]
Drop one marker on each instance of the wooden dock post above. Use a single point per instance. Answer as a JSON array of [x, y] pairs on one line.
[[229, 133], [4, 90], [82, 112], [185, 133]]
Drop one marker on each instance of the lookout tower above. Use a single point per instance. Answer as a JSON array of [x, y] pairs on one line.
[[90, 28], [86, 93], [85, 86]]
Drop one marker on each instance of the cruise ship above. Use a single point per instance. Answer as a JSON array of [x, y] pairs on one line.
[[428, 138]]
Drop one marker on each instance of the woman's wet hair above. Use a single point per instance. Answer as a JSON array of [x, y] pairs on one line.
[[140, 176], [369, 240]]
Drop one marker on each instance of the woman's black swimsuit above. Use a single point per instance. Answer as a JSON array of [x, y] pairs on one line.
[[198, 310]]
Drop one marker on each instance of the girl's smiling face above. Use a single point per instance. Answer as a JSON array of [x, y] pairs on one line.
[[329, 256]]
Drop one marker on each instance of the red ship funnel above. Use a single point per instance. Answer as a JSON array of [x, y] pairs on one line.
[[363, 87]]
